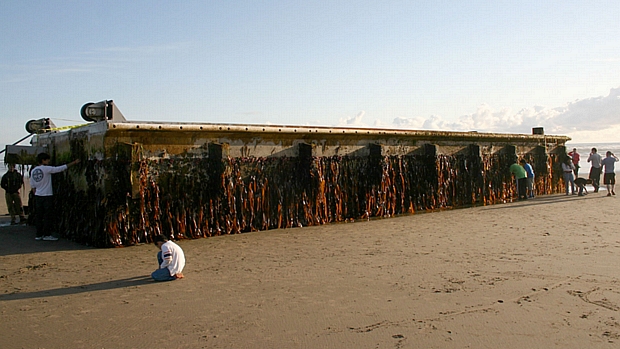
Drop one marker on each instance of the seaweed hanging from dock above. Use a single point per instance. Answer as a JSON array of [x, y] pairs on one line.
[[201, 196]]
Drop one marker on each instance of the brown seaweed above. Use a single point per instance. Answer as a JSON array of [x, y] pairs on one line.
[[201, 196]]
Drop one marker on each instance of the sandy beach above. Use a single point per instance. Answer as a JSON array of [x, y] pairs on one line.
[[541, 273]]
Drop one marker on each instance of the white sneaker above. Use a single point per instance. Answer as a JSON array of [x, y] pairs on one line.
[[39, 238], [49, 238]]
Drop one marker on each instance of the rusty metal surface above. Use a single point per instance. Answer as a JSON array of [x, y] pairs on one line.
[[159, 138], [314, 132], [191, 180]]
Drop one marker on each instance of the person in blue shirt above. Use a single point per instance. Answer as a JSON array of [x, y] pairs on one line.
[[530, 177]]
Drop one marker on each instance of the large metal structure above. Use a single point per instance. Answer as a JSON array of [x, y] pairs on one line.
[[190, 180]]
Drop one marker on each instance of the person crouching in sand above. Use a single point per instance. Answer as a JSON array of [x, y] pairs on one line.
[[581, 184], [171, 260]]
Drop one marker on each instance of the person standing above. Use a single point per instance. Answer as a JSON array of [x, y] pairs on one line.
[[521, 179], [575, 157], [609, 178], [41, 183], [568, 168], [171, 260], [12, 182], [595, 170], [530, 177]]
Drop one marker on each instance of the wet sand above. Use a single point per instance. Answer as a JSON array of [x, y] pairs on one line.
[[542, 273]]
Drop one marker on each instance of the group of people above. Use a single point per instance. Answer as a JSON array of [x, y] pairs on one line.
[[171, 259], [41, 187], [524, 174], [609, 174], [570, 169]]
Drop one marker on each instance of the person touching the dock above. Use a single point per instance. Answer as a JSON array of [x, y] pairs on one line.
[[521, 178], [595, 170], [567, 169], [171, 260], [530, 177], [609, 178], [41, 184]]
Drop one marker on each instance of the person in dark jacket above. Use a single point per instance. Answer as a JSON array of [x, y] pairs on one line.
[[12, 182]]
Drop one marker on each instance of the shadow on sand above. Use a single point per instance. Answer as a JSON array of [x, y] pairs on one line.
[[100, 286], [19, 239], [546, 200]]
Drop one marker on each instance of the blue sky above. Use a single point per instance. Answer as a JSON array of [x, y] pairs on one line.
[[492, 66]]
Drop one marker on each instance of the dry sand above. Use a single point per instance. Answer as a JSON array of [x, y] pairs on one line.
[[543, 273]]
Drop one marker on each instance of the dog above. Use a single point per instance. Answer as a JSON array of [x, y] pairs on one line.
[[581, 183]]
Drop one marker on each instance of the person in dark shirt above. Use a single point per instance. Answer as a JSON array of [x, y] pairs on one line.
[[12, 182], [609, 178]]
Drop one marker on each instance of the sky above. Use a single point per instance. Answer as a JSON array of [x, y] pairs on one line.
[[487, 66]]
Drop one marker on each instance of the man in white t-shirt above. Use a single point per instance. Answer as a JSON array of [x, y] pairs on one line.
[[41, 184], [171, 260], [595, 171]]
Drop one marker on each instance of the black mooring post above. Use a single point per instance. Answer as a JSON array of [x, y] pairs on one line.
[[476, 173], [304, 164]]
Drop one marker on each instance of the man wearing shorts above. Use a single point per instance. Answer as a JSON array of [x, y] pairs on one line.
[[609, 177]]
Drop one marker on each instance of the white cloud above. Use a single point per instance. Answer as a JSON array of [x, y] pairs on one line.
[[608, 134], [579, 119], [435, 123], [379, 124], [410, 123], [353, 121], [590, 114]]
